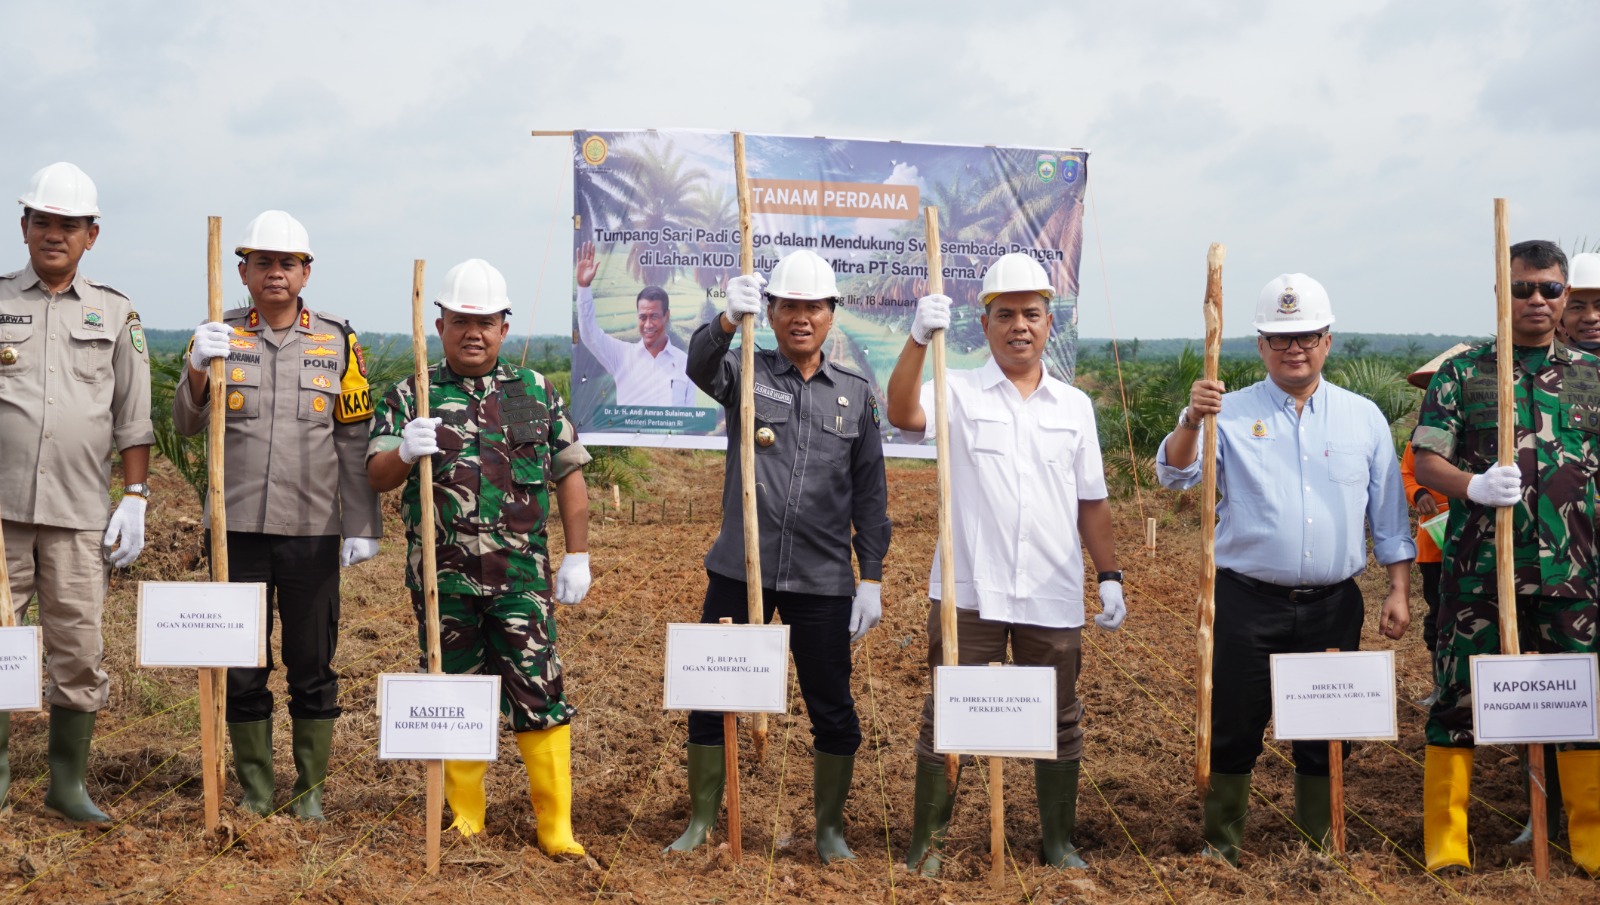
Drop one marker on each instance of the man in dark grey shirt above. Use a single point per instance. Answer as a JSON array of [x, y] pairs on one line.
[[819, 473]]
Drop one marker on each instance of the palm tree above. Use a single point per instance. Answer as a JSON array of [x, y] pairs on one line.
[[644, 185]]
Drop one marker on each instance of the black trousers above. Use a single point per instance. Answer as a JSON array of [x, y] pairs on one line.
[[819, 641], [1250, 627], [1430, 595], [302, 578]]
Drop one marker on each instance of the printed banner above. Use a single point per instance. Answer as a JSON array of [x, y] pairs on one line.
[[656, 237]]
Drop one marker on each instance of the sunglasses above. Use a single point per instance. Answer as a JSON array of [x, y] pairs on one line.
[[1550, 289], [1279, 342]]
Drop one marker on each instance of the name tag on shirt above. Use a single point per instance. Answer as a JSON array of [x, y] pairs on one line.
[[770, 393]]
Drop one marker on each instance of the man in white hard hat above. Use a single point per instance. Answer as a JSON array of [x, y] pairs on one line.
[[819, 463], [297, 411], [1551, 492], [1303, 467], [1024, 455], [1580, 320], [648, 372], [74, 386], [500, 441]]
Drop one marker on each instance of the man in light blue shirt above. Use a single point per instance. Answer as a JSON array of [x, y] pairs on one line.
[[1303, 467]]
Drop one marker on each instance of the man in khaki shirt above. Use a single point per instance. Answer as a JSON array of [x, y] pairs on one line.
[[74, 385], [296, 481]]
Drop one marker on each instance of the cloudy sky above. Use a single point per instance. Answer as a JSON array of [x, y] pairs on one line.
[[1359, 142]]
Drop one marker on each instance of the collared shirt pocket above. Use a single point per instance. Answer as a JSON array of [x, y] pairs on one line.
[[241, 387], [1347, 463], [841, 425], [452, 443], [18, 339], [1058, 443], [992, 434], [318, 396], [91, 352], [774, 416]]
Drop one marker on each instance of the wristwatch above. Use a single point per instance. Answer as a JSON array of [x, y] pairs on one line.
[[139, 490], [1109, 576]]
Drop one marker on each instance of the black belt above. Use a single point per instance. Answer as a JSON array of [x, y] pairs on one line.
[[1293, 595]]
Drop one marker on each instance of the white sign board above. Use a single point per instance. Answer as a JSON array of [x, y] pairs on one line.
[[737, 668], [1001, 711], [20, 668], [204, 624], [1337, 695], [1534, 698], [434, 717]]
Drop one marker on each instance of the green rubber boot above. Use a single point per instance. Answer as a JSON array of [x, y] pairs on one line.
[[1313, 808], [930, 817], [1226, 803], [707, 775], [5, 757], [831, 777], [252, 763], [71, 731], [1056, 783], [312, 740]]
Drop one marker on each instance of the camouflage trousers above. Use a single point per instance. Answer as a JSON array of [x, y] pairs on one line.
[[1469, 625], [512, 636]]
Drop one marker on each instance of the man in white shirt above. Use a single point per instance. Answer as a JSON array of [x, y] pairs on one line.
[[1025, 471], [651, 371]]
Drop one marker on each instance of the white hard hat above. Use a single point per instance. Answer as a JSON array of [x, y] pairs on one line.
[[1293, 303], [62, 188], [474, 287], [803, 275], [1016, 272], [1584, 271], [275, 231]]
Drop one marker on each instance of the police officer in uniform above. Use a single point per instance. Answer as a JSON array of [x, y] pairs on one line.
[[74, 385], [819, 466], [500, 441], [297, 410]]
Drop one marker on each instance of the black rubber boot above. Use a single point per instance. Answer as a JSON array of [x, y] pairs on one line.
[[1226, 803], [707, 776], [71, 731], [1313, 808], [930, 818], [831, 777], [1056, 783], [312, 740], [252, 763]]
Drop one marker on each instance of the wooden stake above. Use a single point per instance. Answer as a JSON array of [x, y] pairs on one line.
[[1336, 788], [997, 821], [434, 806], [941, 443], [8, 615], [747, 430], [1150, 535], [616, 497], [1208, 525], [730, 766], [214, 682], [1505, 566]]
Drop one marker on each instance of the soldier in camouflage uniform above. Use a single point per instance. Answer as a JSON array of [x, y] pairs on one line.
[[499, 438], [1552, 491]]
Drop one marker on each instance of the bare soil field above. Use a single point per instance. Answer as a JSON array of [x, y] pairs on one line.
[[1138, 812]]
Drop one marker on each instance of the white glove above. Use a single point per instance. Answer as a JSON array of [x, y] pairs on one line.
[[933, 313], [357, 550], [127, 526], [744, 295], [866, 611], [419, 438], [572, 581], [1501, 485], [1112, 609], [210, 341]]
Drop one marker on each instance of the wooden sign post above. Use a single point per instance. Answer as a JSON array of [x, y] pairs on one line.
[[8, 616], [434, 807], [1208, 525], [941, 442], [747, 430], [1505, 567], [214, 682], [730, 766], [1336, 788]]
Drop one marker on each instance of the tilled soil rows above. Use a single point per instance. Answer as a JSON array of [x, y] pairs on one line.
[[1138, 813]]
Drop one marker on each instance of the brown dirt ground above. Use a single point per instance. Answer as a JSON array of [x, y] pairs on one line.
[[1138, 818]]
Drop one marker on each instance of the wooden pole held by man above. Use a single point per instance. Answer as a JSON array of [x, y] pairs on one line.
[[747, 428], [214, 682], [941, 443], [1208, 524], [434, 808]]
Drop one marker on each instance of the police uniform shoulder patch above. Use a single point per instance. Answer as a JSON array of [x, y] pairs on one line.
[[355, 395], [305, 318], [136, 333]]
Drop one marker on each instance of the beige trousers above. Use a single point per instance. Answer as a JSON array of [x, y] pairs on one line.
[[67, 568]]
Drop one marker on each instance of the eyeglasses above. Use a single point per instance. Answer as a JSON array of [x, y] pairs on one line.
[[1550, 289], [1279, 342]]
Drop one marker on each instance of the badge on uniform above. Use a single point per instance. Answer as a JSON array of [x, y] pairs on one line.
[[136, 333], [319, 351], [1259, 429], [305, 319], [319, 404], [765, 437], [321, 382], [8, 356], [94, 318], [321, 337], [237, 375], [872, 402], [235, 401]]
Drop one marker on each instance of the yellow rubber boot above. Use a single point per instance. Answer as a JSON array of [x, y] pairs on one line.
[[1580, 792], [463, 788], [547, 753], [1446, 784]]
